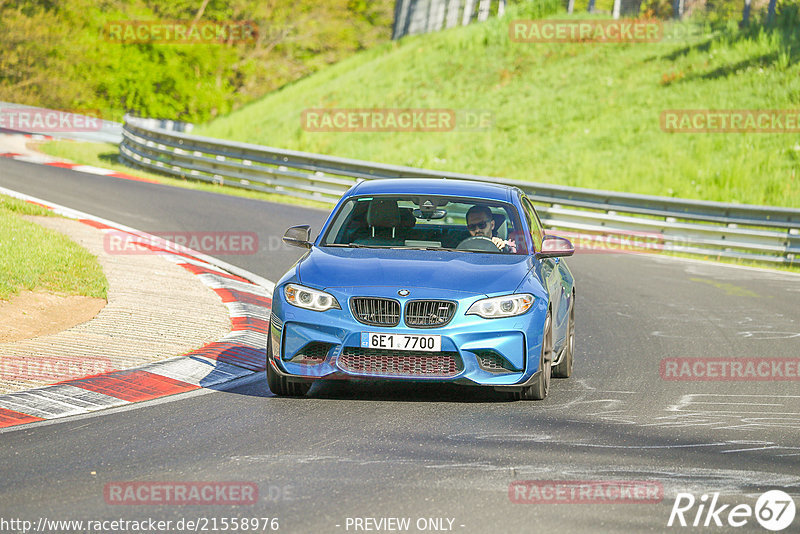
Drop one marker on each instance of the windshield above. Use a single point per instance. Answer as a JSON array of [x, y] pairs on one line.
[[427, 222]]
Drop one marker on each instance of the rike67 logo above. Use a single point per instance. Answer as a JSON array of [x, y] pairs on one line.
[[774, 510]]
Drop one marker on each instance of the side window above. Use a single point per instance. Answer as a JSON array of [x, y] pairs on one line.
[[343, 225], [537, 232]]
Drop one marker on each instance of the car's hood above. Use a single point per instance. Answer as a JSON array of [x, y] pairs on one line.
[[446, 270]]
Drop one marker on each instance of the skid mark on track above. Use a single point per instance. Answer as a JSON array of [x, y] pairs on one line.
[[716, 447], [768, 334], [729, 289], [737, 412], [494, 475], [739, 319], [745, 413]]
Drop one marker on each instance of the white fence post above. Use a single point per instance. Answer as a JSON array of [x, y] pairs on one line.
[[436, 14], [469, 7], [453, 8], [483, 10]]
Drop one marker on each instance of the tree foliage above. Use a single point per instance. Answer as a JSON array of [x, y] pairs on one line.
[[55, 53]]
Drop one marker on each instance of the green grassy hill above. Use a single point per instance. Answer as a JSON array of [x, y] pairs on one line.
[[573, 114]]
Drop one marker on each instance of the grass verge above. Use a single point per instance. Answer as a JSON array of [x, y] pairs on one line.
[[33, 257]]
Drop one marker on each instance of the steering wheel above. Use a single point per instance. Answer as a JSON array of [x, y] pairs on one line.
[[478, 243]]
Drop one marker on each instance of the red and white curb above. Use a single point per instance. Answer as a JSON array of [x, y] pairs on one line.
[[42, 159], [240, 353], [34, 136]]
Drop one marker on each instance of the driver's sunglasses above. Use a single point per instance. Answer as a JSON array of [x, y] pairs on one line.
[[475, 226]]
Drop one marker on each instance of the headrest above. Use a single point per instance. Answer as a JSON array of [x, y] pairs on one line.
[[499, 219], [383, 213], [499, 229], [358, 219], [407, 219]]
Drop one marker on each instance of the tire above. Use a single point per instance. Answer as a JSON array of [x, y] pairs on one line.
[[539, 389], [564, 367], [280, 385]]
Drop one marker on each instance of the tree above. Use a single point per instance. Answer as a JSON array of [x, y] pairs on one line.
[[677, 9], [771, 11], [746, 13]]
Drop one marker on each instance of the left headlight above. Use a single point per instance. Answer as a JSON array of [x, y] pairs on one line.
[[505, 306], [310, 299]]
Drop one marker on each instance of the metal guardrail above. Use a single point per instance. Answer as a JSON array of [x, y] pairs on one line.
[[635, 222]]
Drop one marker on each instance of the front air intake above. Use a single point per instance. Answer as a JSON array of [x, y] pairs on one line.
[[375, 311], [429, 313]]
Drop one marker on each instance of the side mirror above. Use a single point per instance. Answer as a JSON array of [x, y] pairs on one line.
[[555, 247], [298, 236]]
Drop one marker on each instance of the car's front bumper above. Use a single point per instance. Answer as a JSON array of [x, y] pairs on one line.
[[489, 352]]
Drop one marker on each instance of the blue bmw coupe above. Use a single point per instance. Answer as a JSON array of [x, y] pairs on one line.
[[430, 280]]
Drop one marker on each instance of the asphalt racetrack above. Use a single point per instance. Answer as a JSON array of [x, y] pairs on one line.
[[442, 457]]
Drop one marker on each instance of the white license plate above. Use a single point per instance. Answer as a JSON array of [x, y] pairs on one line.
[[375, 340]]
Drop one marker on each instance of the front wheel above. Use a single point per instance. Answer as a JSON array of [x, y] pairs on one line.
[[280, 385], [539, 389]]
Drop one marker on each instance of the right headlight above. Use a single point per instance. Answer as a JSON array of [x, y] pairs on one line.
[[310, 299], [505, 306]]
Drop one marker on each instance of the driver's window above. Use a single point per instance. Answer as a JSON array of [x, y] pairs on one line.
[[537, 232]]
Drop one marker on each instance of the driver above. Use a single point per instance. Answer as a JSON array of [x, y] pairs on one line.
[[480, 223]]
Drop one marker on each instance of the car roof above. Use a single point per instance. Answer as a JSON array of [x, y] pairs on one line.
[[434, 186]]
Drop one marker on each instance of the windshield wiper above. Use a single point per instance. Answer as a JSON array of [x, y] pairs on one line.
[[414, 248]]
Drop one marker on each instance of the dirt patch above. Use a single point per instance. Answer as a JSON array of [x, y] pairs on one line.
[[36, 313]]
